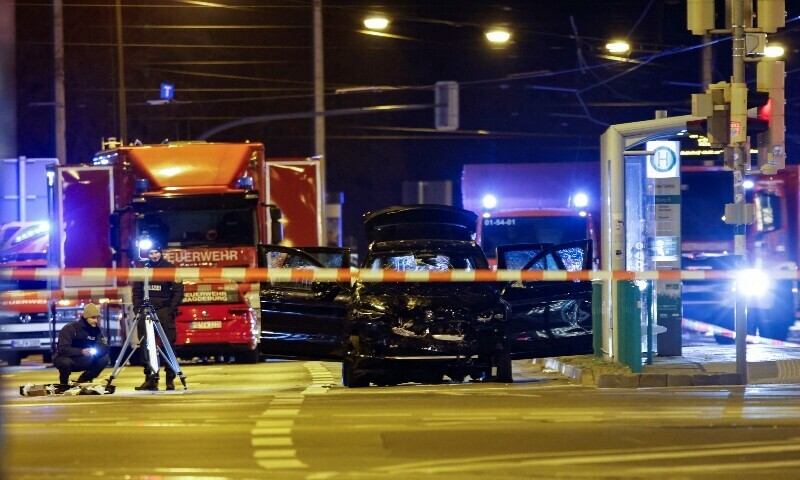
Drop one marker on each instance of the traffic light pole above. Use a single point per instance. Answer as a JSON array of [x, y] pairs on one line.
[[741, 156]]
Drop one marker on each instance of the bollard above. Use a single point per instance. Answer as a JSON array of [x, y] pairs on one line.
[[597, 317], [629, 337]]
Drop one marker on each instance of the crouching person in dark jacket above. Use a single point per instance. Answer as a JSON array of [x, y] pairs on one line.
[[82, 348]]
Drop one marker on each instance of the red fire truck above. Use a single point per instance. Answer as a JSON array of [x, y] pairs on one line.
[[29, 321], [536, 203], [209, 204]]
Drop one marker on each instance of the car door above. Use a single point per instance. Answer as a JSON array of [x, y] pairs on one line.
[[549, 318], [303, 319]]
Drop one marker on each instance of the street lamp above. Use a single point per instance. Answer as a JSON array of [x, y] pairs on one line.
[[498, 35], [376, 22], [618, 47]]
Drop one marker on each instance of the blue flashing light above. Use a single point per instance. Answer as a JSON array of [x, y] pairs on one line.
[[748, 184], [489, 201], [580, 200]]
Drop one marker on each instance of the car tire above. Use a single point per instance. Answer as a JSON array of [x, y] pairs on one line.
[[774, 330], [250, 357], [502, 361], [353, 377], [114, 353], [13, 359]]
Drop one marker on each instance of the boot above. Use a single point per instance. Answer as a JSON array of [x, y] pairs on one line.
[[170, 380], [150, 383], [84, 378], [60, 388]]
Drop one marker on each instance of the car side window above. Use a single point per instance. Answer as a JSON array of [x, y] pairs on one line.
[[289, 260], [573, 258]]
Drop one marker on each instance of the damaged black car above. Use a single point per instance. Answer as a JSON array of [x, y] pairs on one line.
[[386, 333]]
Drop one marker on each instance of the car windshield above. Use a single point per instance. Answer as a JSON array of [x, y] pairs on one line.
[[421, 261]]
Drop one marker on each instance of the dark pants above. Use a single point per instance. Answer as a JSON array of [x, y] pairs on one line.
[[164, 315], [90, 365]]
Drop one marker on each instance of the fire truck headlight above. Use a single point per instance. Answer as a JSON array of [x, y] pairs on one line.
[[754, 283], [580, 200]]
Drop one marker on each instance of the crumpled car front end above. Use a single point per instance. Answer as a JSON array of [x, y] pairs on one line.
[[427, 330]]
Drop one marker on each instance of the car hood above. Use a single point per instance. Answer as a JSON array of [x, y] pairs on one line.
[[410, 295]]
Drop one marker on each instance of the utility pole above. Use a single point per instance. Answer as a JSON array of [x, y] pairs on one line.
[[123, 106], [319, 98], [58, 67]]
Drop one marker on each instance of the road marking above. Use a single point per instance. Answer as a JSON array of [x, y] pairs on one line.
[[597, 458], [272, 431], [321, 378]]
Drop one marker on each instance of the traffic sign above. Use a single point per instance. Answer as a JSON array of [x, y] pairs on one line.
[[167, 91]]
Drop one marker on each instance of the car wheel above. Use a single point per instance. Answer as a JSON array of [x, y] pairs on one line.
[[353, 377], [774, 330], [502, 361], [433, 377], [251, 356], [13, 359], [113, 354]]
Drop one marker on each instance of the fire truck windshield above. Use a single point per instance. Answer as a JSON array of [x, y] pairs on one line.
[[201, 228], [507, 230]]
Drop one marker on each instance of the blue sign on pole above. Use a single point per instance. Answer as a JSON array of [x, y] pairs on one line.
[[167, 91]]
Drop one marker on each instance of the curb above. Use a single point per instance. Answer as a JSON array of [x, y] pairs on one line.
[[589, 370], [651, 380], [595, 375]]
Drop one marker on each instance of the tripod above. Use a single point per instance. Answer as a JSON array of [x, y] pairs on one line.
[[147, 314]]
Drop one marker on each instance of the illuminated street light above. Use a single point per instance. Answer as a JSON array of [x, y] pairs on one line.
[[376, 22], [773, 51], [498, 35], [618, 47]]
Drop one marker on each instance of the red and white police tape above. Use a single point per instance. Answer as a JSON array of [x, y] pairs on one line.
[[724, 332], [244, 275]]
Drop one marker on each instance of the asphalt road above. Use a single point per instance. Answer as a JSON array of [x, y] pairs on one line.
[[294, 420]]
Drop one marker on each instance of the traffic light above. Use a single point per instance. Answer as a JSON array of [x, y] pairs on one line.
[[700, 16], [446, 106], [715, 106], [772, 141], [770, 15]]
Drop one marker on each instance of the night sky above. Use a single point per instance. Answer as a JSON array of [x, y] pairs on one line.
[[547, 96]]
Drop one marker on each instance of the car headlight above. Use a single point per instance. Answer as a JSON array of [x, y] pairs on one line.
[[492, 314], [753, 283]]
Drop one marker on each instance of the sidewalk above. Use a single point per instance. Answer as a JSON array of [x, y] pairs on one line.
[[698, 365]]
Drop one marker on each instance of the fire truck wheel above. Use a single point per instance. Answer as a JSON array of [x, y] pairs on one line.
[[12, 358], [113, 353], [251, 356], [774, 330]]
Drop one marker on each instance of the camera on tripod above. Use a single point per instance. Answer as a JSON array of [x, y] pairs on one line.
[[154, 342]]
